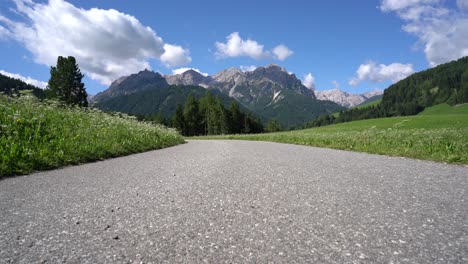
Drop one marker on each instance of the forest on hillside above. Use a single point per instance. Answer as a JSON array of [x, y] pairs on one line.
[[446, 83], [208, 116], [11, 86]]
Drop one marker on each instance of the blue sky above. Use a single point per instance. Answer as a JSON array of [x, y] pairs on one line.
[[357, 46]]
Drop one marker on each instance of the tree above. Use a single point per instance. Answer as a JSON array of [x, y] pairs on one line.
[[206, 106], [273, 126], [178, 121], [235, 119], [65, 82], [218, 115], [192, 117]]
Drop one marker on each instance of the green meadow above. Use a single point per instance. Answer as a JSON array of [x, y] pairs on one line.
[[440, 133], [38, 135]]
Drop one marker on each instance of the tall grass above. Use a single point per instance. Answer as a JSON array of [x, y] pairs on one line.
[[42, 135]]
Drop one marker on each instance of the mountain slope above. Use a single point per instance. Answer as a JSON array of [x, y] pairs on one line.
[[269, 92], [374, 100], [273, 93], [446, 83], [189, 77], [11, 86], [144, 80], [162, 100]]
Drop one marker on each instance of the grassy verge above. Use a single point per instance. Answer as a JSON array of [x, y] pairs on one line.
[[439, 137], [38, 136]]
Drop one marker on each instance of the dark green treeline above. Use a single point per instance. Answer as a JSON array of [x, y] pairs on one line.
[[208, 116]]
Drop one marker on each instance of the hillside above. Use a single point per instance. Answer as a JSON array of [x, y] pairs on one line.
[[445, 109], [273, 93], [438, 137], [11, 86], [141, 81], [446, 83], [372, 101], [269, 92], [153, 100]]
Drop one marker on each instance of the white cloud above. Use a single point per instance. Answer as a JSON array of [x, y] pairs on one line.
[[237, 47], [106, 43], [174, 56], [248, 68], [182, 70], [27, 80], [397, 5], [309, 81], [379, 73], [4, 33], [282, 52], [443, 31]]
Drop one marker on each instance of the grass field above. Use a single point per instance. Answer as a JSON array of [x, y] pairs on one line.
[[440, 134], [445, 109], [37, 136], [373, 103]]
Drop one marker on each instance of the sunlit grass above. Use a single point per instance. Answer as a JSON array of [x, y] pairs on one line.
[[442, 137], [42, 135]]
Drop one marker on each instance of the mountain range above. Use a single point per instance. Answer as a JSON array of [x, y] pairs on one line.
[[346, 99], [270, 92]]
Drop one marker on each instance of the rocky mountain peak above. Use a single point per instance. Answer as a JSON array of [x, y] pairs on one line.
[[142, 80], [189, 77], [228, 75], [344, 98]]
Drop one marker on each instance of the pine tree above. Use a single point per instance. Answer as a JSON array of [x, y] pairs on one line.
[[206, 107], [274, 126], [178, 121], [192, 117], [65, 82], [218, 115], [235, 119]]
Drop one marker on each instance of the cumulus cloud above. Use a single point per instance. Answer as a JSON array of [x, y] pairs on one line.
[[248, 68], [442, 30], [281, 52], [182, 70], [235, 46], [174, 56], [27, 79], [309, 81], [106, 43], [4, 33], [397, 5], [381, 72]]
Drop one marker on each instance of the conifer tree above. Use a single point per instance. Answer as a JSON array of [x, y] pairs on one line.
[[236, 119], [192, 117], [65, 82], [178, 121]]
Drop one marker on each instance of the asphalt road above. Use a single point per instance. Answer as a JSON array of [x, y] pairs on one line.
[[238, 202]]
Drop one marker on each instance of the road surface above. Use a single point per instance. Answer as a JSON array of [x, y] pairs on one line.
[[238, 202]]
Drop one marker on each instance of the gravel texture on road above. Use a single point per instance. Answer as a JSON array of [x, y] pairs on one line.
[[238, 202]]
